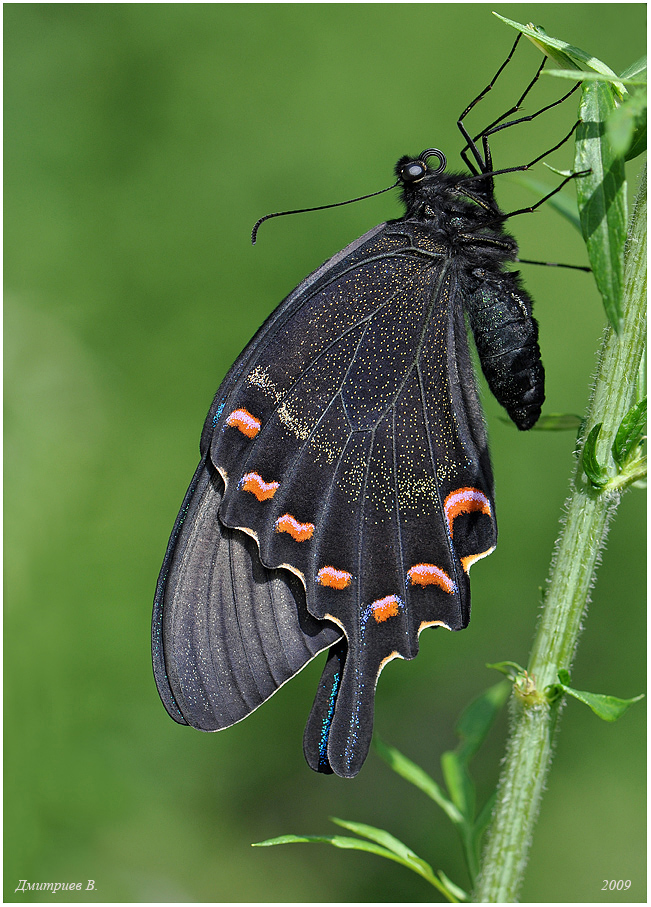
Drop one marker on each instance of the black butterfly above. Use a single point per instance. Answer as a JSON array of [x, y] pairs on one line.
[[345, 486]]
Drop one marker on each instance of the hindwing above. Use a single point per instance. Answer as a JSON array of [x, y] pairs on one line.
[[350, 440], [227, 632]]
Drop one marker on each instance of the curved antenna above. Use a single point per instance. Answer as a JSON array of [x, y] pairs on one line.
[[434, 152], [254, 232]]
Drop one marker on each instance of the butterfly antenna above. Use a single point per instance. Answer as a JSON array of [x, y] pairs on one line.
[[254, 232], [553, 264]]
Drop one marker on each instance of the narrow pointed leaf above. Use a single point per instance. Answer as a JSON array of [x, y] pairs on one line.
[[480, 825], [630, 432], [565, 55], [626, 126], [379, 836], [608, 708], [638, 142], [563, 203], [578, 76], [419, 778], [483, 819], [398, 852], [459, 893], [596, 474], [477, 719], [602, 197], [340, 841], [459, 784], [636, 69], [510, 668]]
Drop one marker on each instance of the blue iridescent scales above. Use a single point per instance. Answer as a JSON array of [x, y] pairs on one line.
[[345, 487]]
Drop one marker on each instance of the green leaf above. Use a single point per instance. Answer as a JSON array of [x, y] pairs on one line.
[[602, 197], [597, 475], [380, 843], [564, 204], [459, 783], [459, 893], [558, 422], [511, 668], [479, 827], [626, 126], [483, 819], [630, 433], [566, 55], [578, 76], [292, 839], [636, 69], [346, 843], [638, 142], [336, 840], [478, 717], [472, 728], [413, 773], [608, 708], [379, 836], [341, 841]]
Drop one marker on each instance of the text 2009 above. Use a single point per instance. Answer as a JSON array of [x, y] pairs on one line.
[[616, 886]]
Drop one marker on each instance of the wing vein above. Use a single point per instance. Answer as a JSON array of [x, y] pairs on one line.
[[433, 461]]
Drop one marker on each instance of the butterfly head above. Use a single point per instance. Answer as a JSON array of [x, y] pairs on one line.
[[425, 186], [438, 198], [413, 170]]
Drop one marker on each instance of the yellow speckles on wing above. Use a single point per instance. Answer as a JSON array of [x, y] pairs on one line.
[[296, 418], [259, 377]]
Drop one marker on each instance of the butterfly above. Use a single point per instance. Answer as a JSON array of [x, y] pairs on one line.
[[345, 488]]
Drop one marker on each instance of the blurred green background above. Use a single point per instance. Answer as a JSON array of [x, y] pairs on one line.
[[142, 142]]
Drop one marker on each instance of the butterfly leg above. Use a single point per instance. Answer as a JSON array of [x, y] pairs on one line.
[[466, 135]]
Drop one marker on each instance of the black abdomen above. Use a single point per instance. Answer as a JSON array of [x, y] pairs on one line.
[[506, 336]]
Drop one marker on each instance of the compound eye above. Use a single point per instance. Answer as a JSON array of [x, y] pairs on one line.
[[413, 171]]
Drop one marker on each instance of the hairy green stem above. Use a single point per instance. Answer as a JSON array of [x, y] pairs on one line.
[[588, 510]]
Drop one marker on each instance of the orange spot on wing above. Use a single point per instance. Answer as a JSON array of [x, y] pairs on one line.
[[300, 532], [247, 424], [384, 608], [430, 575], [465, 500], [336, 579], [256, 485]]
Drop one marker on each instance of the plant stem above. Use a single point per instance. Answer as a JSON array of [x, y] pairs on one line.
[[529, 750]]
